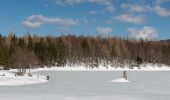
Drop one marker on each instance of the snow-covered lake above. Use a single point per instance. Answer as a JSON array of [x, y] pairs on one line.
[[78, 85]]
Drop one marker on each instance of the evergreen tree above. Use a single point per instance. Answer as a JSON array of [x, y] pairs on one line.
[[13, 43], [21, 43], [86, 52], [4, 53], [4, 58], [52, 52], [30, 44], [40, 51], [85, 46], [139, 60], [61, 54]]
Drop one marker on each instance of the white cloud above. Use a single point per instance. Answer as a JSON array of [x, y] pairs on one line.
[[137, 8], [155, 8], [93, 12], [147, 32], [110, 8], [36, 21], [30, 24], [161, 11], [103, 31], [72, 2], [108, 3], [131, 18], [158, 2]]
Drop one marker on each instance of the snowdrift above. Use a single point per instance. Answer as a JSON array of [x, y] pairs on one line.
[[9, 79], [144, 67], [120, 80]]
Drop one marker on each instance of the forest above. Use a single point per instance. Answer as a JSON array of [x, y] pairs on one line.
[[31, 51]]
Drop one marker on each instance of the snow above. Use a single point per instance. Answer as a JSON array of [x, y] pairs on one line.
[[9, 79], [144, 67], [87, 85], [150, 82], [120, 80], [12, 80]]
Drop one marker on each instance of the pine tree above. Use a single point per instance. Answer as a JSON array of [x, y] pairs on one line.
[[61, 54], [52, 52], [30, 44], [85, 47], [4, 53], [40, 51], [4, 59], [13, 44], [139, 60], [21, 43], [86, 51]]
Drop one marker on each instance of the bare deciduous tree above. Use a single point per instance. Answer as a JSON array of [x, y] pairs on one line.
[[19, 60]]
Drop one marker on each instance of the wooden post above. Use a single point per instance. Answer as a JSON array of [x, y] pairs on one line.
[[48, 77], [125, 75]]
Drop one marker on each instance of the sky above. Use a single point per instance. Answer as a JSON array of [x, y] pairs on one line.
[[146, 19]]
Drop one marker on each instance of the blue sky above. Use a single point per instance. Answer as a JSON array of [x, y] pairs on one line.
[[147, 19]]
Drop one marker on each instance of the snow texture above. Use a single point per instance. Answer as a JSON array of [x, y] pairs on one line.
[[9, 79], [119, 80], [86, 85], [145, 67]]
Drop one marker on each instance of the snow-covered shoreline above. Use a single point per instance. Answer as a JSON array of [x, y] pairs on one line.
[[8, 78], [148, 67]]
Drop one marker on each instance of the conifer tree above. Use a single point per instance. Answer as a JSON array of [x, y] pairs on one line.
[[30, 44], [139, 60], [61, 54]]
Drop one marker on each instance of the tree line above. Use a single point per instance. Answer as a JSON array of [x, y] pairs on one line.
[[31, 51]]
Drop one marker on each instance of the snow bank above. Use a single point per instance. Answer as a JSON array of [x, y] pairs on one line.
[[120, 80], [9, 79], [145, 67]]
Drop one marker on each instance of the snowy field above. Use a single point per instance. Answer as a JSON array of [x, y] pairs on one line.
[[8, 78], [77, 85]]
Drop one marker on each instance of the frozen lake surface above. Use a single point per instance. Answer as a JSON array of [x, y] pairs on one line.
[[93, 86]]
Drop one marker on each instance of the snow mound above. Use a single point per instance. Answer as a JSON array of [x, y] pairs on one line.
[[6, 74], [9, 79], [144, 67], [120, 80]]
